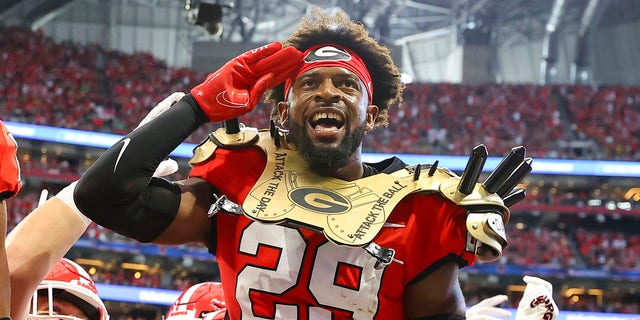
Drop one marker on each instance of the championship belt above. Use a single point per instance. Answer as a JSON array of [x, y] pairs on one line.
[[352, 213], [347, 212]]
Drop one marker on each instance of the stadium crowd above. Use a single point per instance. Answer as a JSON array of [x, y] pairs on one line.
[[67, 168], [91, 88]]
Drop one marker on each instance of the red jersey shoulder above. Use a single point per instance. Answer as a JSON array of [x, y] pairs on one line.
[[429, 207], [232, 171], [423, 229]]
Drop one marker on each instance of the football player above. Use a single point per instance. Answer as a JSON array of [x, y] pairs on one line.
[[67, 292], [302, 228], [202, 301]]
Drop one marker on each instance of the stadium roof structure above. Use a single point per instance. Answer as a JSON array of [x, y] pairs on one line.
[[389, 20]]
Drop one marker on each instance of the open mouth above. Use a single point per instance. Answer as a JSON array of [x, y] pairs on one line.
[[327, 121]]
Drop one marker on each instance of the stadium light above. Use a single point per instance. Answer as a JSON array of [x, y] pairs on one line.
[[206, 15]]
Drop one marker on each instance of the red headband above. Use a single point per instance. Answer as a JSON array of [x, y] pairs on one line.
[[332, 55]]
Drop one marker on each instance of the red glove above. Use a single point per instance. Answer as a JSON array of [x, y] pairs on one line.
[[237, 87], [10, 182]]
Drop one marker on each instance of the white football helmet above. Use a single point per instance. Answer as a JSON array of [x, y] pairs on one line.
[[70, 282], [201, 301]]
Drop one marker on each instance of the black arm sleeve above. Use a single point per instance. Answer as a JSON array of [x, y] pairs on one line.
[[118, 191]]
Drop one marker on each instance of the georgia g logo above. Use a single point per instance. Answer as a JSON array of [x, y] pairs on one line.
[[320, 200], [327, 53]]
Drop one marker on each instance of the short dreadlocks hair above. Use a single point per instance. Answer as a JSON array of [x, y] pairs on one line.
[[339, 29]]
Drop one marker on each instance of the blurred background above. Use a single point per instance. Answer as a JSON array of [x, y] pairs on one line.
[[559, 77]]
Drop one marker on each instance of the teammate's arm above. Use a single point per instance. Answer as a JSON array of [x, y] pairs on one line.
[[36, 244], [437, 296], [10, 185]]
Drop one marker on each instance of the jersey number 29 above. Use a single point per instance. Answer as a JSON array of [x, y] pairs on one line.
[[324, 282]]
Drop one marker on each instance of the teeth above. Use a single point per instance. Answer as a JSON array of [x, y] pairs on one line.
[[326, 115]]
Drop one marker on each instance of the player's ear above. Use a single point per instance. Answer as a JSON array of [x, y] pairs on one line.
[[372, 115]]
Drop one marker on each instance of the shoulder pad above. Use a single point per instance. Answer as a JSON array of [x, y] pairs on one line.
[[446, 182], [220, 138], [487, 203], [246, 137], [203, 151], [496, 189], [478, 197]]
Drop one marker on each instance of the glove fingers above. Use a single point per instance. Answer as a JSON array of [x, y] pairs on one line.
[[287, 58], [257, 54], [493, 301], [247, 68], [537, 300], [497, 312], [268, 81], [277, 75], [280, 74], [259, 89], [483, 317], [276, 68]]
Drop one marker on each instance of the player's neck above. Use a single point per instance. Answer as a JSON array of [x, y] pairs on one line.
[[352, 170]]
